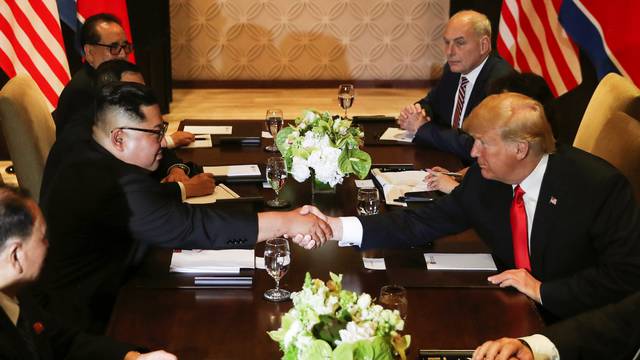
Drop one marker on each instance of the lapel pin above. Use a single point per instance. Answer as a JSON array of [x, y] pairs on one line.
[[38, 327], [553, 200]]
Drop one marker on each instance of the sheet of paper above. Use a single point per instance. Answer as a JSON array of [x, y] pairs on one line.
[[221, 192], [211, 261], [260, 262], [204, 142], [374, 263], [267, 135], [209, 129], [396, 183], [365, 183], [233, 170], [397, 134], [440, 261]]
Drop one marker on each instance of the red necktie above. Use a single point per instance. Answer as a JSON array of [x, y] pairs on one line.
[[519, 230], [460, 102]]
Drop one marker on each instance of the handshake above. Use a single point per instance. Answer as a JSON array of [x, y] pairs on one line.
[[306, 226]]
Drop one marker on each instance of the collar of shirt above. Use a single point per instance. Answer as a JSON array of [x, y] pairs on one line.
[[471, 76], [531, 186], [10, 307]]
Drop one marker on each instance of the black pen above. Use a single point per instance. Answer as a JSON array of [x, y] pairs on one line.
[[409, 199]]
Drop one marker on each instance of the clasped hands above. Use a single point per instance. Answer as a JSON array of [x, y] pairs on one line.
[[332, 228], [412, 117]]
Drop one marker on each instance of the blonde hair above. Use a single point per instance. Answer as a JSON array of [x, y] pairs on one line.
[[517, 117], [479, 21]]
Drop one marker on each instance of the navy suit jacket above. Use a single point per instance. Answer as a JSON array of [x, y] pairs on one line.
[[53, 341], [439, 106], [584, 238], [611, 332], [102, 214]]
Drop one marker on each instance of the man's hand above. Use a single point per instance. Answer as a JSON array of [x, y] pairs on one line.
[[503, 349], [155, 355], [182, 138], [291, 223], [438, 181], [412, 118], [199, 185], [176, 174], [519, 279], [306, 241]]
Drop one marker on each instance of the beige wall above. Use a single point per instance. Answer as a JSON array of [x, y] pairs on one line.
[[307, 39]]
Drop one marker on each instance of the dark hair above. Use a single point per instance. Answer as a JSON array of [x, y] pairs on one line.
[[529, 84], [89, 32], [124, 96], [112, 70], [16, 219]]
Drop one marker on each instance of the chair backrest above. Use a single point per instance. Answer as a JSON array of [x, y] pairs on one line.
[[28, 129], [613, 94], [619, 144]]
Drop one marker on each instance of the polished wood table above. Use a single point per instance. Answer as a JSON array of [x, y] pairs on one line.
[[453, 310]]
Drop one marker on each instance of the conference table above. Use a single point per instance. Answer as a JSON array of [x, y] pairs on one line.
[[447, 309]]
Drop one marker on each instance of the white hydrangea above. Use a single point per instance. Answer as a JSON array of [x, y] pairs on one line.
[[324, 162], [292, 333], [300, 169], [354, 332]]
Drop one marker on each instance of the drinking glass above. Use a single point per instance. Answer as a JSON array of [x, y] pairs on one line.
[[274, 121], [277, 258], [277, 177], [368, 201], [394, 297], [346, 95]]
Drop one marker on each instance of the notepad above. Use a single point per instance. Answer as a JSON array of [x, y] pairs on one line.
[[374, 263], [397, 134], [221, 192], [441, 261], [396, 183], [204, 142], [209, 129], [211, 261], [233, 170]]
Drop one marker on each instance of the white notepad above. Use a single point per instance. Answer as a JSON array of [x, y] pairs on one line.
[[440, 261], [233, 170], [221, 192], [208, 129], [397, 134], [211, 261]]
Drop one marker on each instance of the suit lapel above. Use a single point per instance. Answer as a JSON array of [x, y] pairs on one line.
[[479, 87], [11, 343], [547, 208]]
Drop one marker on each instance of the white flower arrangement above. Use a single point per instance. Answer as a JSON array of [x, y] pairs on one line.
[[329, 148], [328, 322]]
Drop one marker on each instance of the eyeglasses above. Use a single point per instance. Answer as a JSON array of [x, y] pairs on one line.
[[158, 132], [115, 49]]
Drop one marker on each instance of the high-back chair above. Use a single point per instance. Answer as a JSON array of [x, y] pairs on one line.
[[610, 127], [28, 129]]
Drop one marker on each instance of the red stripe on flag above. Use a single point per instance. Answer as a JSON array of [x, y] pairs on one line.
[[510, 21], [52, 24], [42, 49], [26, 62], [503, 51], [6, 64], [554, 48]]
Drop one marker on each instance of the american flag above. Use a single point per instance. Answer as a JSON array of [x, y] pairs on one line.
[[532, 39], [31, 43]]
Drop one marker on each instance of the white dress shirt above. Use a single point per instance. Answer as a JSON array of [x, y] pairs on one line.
[[541, 347], [471, 76]]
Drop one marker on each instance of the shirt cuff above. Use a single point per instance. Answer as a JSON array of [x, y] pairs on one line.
[[184, 168], [183, 191], [169, 140], [351, 231], [542, 347]]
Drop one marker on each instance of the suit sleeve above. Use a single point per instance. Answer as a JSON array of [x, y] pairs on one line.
[[454, 141], [614, 234], [611, 332], [416, 227]]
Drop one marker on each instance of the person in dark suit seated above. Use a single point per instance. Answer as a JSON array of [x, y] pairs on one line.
[[104, 210], [26, 330], [437, 119], [611, 332], [562, 224]]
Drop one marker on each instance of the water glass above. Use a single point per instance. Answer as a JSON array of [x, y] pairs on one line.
[[394, 297], [277, 259], [274, 121], [346, 95], [276, 176], [368, 201]]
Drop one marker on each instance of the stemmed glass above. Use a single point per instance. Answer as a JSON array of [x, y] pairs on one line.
[[277, 177], [346, 95], [274, 121], [277, 258], [394, 297]]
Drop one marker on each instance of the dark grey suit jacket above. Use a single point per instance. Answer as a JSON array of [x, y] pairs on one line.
[[439, 106], [584, 238], [102, 214]]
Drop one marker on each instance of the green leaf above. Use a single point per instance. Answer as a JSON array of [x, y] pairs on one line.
[[344, 351], [318, 350], [281, 138], [381, 348], [363, 350], [360, 162], [328, 329]]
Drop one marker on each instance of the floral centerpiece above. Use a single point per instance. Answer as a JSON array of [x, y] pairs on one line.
[[328, 322], [327, 148]]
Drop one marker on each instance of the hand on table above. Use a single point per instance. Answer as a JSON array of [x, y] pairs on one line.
[[436, 180], [503, 349], [199, 185], [182, 138], [176, 174], [520, 279], [412, 117]]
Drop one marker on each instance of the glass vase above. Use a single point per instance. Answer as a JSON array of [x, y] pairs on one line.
[[318, 187]]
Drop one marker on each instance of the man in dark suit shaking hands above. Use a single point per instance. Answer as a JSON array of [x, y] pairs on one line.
[[562, 223], [437, 119]]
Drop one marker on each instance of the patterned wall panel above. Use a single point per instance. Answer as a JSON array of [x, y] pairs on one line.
[[307, 39]]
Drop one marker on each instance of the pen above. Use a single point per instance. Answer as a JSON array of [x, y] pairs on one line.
[[201, 138], [448, 173]]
